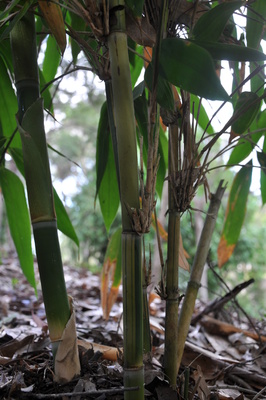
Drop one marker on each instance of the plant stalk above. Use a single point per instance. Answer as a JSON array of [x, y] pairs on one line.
[[40, 192], [172, 294], [197, 270], [129, 195]]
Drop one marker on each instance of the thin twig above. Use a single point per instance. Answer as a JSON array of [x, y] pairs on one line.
[[74, 394]]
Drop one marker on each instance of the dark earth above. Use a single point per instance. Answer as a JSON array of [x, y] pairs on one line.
[[224, 358]]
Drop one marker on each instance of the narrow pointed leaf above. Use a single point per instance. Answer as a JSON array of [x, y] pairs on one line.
[[190, 67], [164, 91], [53, 15], [18, 220], [212, 23], [102, 146], [63, 222], [136, 6], [235, 213], [108, 192], [51, 59], [8, 106], [78, 24], [244, 147], [231, 52], [256, 16], [245, 111]]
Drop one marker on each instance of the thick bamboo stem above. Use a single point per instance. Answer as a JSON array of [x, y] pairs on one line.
[[40, 194], [172, 295], [129, 194], [197, 269]]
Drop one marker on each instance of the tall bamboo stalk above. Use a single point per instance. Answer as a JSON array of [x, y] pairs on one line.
[[41, 203], [129, 194], [197, 270], [172, 295]]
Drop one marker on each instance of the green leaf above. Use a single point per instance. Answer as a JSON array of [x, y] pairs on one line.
[[190, 67], [136, 61], [235, 213], [18, 220], [45, 93], [77, 24], [256, 15], [136, 6], [261, 156], [245, 111], [243, 149], [102, 146], [164, 91], [212, 23], [263, 176], [8, 106], [63, 222], [108, 191], [51, 59], [138, 90], [231, 52]]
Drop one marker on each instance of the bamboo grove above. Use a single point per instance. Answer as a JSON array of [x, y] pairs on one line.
[[158, 60]]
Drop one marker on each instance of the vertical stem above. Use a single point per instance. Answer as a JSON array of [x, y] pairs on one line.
[[129, 194], [197, 269], [40, 193], [172, 297]]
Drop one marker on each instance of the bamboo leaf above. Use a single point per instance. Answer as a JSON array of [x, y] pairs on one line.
[[102, 146], [45, 92], [256, 15], [51, 59], [136, 64], [231, 52], [136, 6], [245, 111], [243, 149], [111, 273], [18, 220], [164, 91], [54, 18], [212, 23], [235, 213], [78, 24], [8, 106], [190, 67], [63, 222], [108, 192]]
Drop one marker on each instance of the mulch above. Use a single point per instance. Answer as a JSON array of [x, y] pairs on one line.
[[224, 358]]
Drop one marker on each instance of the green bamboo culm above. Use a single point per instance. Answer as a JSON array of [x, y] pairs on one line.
[[129, 195], [172, 294], [197, 270], [38, 178]]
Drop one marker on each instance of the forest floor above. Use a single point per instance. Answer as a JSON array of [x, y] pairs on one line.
[[224, 358]]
